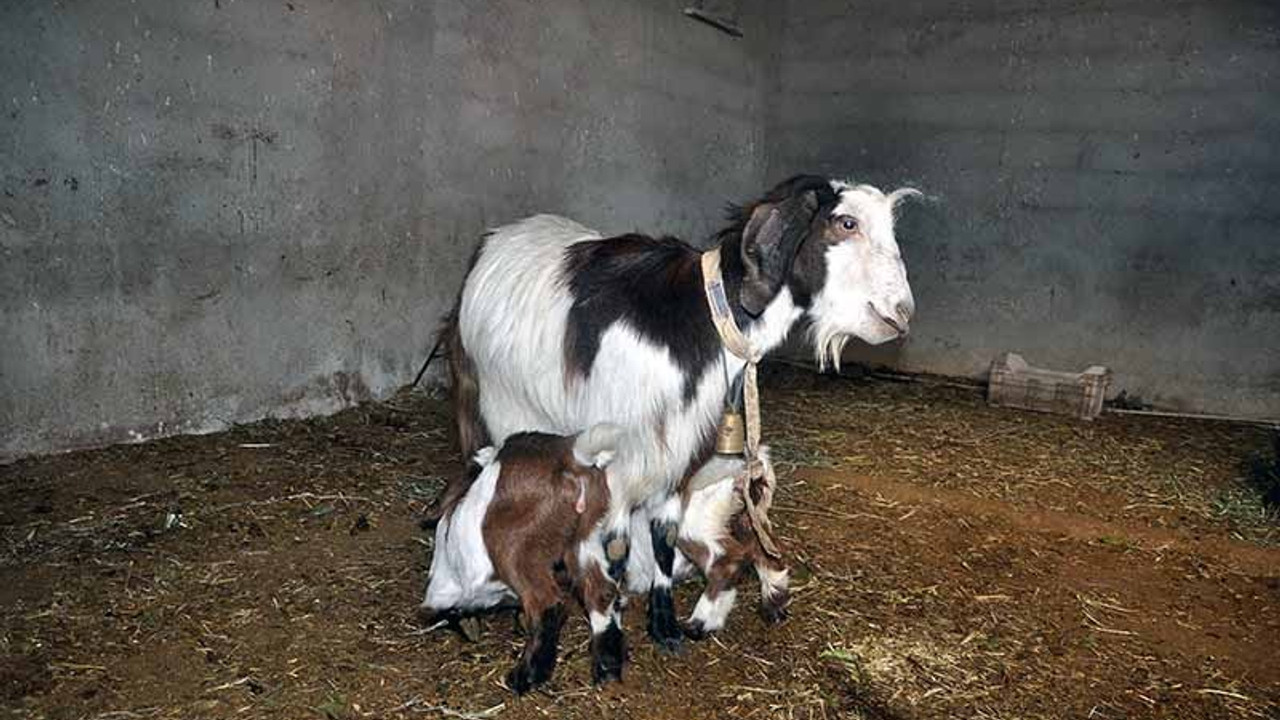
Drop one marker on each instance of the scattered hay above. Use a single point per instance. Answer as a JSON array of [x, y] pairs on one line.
[[272, 571], [913, 671], [1165, 472]]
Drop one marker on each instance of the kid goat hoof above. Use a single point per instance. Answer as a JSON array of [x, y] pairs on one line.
[[608, 655]]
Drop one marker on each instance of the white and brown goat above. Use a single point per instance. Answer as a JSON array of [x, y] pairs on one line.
[[514, 533]]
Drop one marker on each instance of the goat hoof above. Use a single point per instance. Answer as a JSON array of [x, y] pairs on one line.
[[520, 679], [695, 631], [671, 645], [605, 672], [670, 640], [428, 616], [608, 655], [773, 615], [469, 627], [528, 675], [664, 627], [774, 610]]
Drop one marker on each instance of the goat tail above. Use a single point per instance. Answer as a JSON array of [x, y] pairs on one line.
[[464, 389], [465, 392]]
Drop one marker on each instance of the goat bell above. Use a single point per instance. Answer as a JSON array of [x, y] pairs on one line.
[[731, 437]]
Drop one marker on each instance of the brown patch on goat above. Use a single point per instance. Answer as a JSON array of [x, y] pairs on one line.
[[464, 385], [595, 590], [697, 553]]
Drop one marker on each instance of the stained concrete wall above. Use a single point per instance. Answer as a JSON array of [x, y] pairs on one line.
[[1105, 178], [215, 211]]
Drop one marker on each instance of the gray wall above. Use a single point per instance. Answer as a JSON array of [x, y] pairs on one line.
[[215, 211], [1106, 179]]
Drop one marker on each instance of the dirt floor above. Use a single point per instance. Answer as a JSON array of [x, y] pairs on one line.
[[951, 561]]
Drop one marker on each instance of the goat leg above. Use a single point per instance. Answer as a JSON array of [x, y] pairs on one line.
[[716, 602], [538, 660], [664, 528]]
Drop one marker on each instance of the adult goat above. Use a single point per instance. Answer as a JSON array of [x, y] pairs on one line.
[[558, 329]]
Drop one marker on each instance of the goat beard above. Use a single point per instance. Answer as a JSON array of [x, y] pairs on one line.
[[828, 346]]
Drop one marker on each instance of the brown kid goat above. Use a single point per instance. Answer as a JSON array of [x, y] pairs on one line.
[[515, 533]]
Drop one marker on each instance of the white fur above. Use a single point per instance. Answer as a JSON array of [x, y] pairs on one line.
[[667, 510], [721, 467], [711, 505], [866, 279], [591, 552], [642, 568], [597, 445], [707, 516], [461, 573], [600, 621], [711, 614], [772, 582], [714, 501], [704, 518], [485, 455]]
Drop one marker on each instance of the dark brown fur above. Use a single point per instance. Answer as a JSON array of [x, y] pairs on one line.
[[465, 392], [532, 520]]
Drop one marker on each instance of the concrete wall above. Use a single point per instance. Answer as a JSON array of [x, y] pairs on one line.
[[211, 212], [215, 211], [1106, 179]]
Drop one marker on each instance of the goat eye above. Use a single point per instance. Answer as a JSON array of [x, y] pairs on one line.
[[848, 223]]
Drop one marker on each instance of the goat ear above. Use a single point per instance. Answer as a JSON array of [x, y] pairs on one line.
[[763, 232], [769, 243]]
